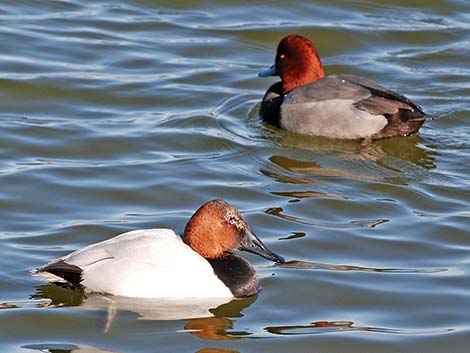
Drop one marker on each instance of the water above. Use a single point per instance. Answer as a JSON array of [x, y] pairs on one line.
[[123, 116]]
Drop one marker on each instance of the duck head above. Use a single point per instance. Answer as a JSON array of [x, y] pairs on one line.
[[297, 63], [217, 229]]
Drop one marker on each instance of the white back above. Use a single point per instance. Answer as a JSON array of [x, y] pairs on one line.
[[149, 263]]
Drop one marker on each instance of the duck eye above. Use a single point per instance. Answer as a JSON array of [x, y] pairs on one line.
[[226, 223]]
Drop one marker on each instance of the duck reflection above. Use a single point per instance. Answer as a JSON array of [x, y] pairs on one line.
[[64, 348], [376, 160], [220, 327], [70, 348], [207, 318], [306, 168], [412, 148]]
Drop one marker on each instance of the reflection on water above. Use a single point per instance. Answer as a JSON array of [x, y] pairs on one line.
[[298, 264], [308, 194], [212, 328], [365, 223], [411, 148], [388, 160], [8, 306], [220, 326], [70, 348], [64, 348], [207, 318], [58, 296], [216, 350], [306, 168], [321, 327]]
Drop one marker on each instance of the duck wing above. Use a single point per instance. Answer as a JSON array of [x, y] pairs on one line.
[[147, 245], [366, 94], [349, 106], [381, 100]]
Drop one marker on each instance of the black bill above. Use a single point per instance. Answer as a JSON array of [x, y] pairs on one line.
[[251, 243]]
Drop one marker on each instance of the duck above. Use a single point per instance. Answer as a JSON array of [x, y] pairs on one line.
[[342, 106], [158, 263]]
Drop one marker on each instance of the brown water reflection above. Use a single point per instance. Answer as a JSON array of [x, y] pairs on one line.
[[212, 328], [313, 168], [220, 327], [216, 350]]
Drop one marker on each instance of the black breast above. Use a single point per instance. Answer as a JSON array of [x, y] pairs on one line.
[[237, 274], [270, 109]]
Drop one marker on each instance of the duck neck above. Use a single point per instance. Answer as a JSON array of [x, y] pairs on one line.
[[291, 84]]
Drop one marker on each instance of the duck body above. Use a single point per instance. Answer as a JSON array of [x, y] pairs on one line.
[[156, 263], [148, 263], [340, 106]]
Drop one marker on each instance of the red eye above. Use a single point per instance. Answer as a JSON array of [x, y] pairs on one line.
[[282, 56], [226, 223]]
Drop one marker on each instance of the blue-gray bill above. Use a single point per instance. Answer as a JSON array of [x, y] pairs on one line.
[[269, 72]]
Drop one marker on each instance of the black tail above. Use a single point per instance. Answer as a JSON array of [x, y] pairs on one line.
[[403, 123], [71, 273]]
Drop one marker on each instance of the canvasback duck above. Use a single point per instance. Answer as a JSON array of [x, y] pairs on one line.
[[157, 263], [340, 106]]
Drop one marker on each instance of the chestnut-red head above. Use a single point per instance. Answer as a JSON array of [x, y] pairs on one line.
[[217, 229], [297, 63]]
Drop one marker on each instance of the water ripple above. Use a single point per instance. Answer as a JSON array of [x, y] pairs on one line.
[[303, 265], [322, 327]]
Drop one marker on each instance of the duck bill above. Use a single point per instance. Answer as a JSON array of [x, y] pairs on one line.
[[269, 72], [251, 243]]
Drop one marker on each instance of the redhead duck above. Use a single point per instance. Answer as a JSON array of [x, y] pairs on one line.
[[337, 106], [157, 263]]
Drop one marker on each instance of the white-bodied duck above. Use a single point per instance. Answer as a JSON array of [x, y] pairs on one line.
[[157, 263]]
